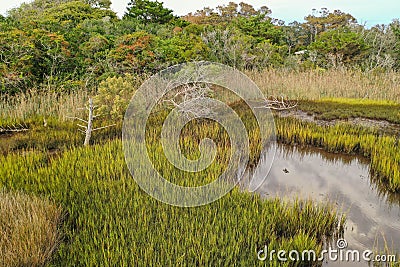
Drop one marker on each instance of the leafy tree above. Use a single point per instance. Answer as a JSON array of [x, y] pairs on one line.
[[183, 47], [381, 40], [70, 14], [93, 55], [228, 12], [324, 20], [149, 11], [52, 55], [339, 46], [261, 28], [134, 53], [32, 57], [295, 36], [99, 3], [395, 28], [60, 11], [247, 10], [16, 61]]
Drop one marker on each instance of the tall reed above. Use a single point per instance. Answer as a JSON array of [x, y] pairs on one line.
[[43, 104], [315, 85], [29, 229]]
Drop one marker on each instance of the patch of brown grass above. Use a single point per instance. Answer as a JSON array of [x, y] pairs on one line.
[[28, 229]]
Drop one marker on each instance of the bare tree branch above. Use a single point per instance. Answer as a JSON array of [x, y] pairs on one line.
[[104, 127], [88, 128], [278, 104], [14, 129]]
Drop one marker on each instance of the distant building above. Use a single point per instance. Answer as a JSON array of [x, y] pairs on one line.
[[302, 52]]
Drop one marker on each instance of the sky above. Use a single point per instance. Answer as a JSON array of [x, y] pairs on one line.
[[369, 12]]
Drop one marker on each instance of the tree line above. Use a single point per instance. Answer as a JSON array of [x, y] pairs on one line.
[[75, 44]]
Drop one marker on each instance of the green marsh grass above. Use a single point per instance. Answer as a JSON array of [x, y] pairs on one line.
[[112, 222], [55, 136], [343, 108]]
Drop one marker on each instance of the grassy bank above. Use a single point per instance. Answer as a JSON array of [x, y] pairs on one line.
[[344, 108], [306, 85]]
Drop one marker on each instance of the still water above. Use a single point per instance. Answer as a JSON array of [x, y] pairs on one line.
[[373, 215]]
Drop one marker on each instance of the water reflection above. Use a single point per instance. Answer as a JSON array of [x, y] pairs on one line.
[[373, 214]]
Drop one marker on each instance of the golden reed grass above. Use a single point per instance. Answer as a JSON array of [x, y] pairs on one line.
[[28, 229], [45, 104], [314, 85], [311, 85]]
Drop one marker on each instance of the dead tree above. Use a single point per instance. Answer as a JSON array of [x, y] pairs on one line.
[[187, 93], [87, 129]]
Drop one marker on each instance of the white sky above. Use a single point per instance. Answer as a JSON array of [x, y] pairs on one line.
[[366, 11]]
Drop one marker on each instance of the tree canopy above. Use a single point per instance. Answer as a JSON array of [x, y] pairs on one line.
[[75, 44], [149, 11]]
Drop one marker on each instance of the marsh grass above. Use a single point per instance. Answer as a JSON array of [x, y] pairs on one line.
[[55, 136], [306, 85], [191, 136], [112, 222], [29, 229], [314, 85], [42, 104], [339, 108]]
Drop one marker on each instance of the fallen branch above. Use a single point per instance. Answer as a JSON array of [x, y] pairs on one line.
[[278, 104], [14, 129]]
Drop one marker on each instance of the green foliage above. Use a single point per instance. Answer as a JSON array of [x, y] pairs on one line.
[[395, 27], [232, 47], [183, 47], [74, 44], [339, 46], [261, 28], [58, 15], [18, 51], [148, 11], [114, 94]]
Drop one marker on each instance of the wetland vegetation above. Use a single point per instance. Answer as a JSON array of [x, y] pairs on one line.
[[65, 204]]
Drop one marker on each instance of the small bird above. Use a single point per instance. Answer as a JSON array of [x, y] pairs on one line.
[[285, 170]]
